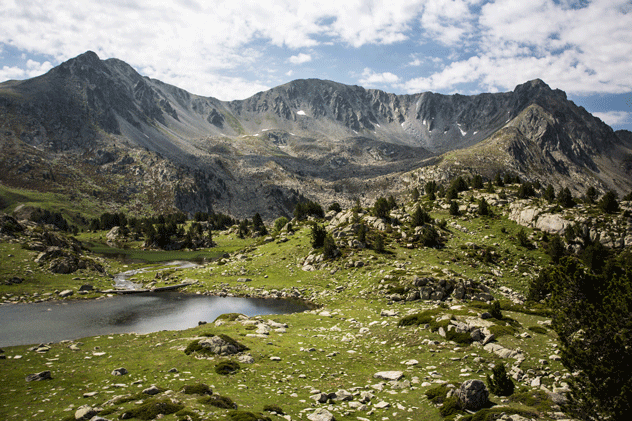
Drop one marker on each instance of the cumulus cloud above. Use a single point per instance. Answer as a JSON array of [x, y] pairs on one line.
[[220, 48], [300, 58], [371, 79], [614, 118]]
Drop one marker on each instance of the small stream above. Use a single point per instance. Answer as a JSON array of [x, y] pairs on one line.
[[121, 280]]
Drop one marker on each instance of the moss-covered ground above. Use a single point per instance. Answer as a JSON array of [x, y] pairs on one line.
[[340, 344]]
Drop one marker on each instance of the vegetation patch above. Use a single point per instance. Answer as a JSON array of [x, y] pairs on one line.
[[538, 329], [225, 368], [273, 408], [151, 409], [247, 416], [491, 414], [197, 389], [222, 402]]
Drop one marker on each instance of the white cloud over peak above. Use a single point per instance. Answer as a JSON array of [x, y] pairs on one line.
[[371, 79], [300, 58], [614, 118]]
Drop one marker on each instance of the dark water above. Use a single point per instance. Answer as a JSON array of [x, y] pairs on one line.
[[22, 324]]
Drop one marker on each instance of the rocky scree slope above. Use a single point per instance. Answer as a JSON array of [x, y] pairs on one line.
[[328, 140]]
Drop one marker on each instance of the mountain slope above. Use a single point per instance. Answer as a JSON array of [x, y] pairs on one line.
[[105, 128]]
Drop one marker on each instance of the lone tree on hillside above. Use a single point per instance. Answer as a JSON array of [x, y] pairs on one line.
[[608, 202]]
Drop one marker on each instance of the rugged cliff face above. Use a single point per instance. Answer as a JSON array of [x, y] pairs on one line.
[[319, 138]]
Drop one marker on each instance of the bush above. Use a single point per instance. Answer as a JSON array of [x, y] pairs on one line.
[[454, 208], [280, 223], [329, 247], [151, 409], [437, 394], [247, 416], [335, 207], [451, 406], [197, 389], [483, 208], [416, 319], [194, 346], [318, 235], [522, 238], [273, 408], [495, 310], [222, 402], [555, 248], [463, 338], [608, 202], [538, 329], [499, 383], [226, 367]]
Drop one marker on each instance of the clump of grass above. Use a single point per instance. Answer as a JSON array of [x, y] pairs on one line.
[[194, 346], [222, 402], [498, 330], [228, 317], [273, 408], [491, 414], [451, 406], [437, 394], [187, 414], [538, 329], [240, 347], [425, 317], [151, 409], [197, 389], [247, 416], [537, 399], [226, 367], [459, 337]]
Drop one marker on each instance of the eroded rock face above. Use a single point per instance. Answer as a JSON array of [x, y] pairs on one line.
[[473, 394]]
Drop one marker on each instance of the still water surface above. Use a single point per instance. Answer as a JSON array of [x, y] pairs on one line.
[[22, 324]]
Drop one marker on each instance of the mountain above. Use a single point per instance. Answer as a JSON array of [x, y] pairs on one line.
[[94, 128]]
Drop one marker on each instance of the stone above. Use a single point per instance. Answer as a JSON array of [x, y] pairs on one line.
[[246, 359], [489, 338], [486, 315], [152, 390], [389, 375], [66, 293], [321, 414], [473, 394], [44, 375], [320, 397], [85, 413], [382, 405], [477, 335], [219, 346], [119, 371]]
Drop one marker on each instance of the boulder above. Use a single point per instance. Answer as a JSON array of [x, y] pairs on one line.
[[119, 371], [220, 346], [389, 375], [321, 414], [473, 394], [152, 390], [44, 375], [85, 413]]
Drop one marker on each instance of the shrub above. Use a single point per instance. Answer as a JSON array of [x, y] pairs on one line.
[[381, 208], [280, 223], [318, 235], [608, 202], [459, 337], [454, 208], [247, 416], [538, 329], [555, 248], [194, 346], [197, 389], [437, 394], [451, 406], [522, 238], [151, 409], [273, 408], [499, 383], [226, 367], [549, 194], [565, 198], [495, 311], [335, 207], [329, 247], [420, 217], [483, 208], [415, 319], [188, 415], [222, 402]]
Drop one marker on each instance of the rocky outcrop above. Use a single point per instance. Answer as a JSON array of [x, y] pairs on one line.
[[473, 394]]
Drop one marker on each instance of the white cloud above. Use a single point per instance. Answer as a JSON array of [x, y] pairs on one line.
[[581, 50], [300, 59], [371, 79], [614, 118]]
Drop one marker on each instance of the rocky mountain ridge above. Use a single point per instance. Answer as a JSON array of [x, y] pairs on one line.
[[323, 139]]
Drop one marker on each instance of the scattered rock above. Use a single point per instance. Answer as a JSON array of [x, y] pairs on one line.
[[152, 390], [119, 371], [321, 414], [44, 375], [389, 375], [85, 413], [473, 394]]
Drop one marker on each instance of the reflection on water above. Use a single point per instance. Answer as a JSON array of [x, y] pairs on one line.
[[22, 324]]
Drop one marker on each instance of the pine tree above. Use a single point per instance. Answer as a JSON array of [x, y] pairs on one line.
[[499, 383]]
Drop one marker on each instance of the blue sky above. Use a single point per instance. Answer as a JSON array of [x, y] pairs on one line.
[[231, 49]]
